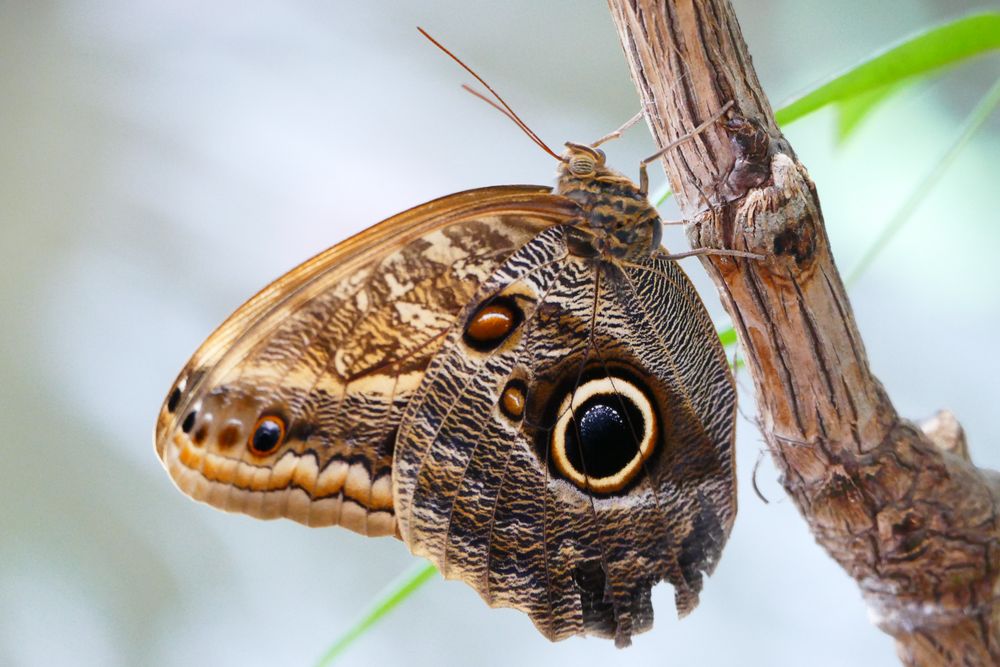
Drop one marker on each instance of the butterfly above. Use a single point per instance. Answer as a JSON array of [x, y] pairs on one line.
[[516, 381]]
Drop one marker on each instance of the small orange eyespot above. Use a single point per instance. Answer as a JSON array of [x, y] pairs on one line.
[[493, 323], [512, 400], [268, 434]]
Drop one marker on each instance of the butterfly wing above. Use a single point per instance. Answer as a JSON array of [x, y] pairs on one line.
[[290, 408], [581, 454]]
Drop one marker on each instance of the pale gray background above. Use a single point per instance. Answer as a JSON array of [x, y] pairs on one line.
[[161, 161]]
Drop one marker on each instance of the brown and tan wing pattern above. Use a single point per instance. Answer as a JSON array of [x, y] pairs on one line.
[[290, 409], [566, 462]]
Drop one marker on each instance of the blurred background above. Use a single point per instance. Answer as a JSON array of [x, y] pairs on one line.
[[161, 161]]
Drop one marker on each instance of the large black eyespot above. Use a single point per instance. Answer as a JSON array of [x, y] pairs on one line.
[[605, 431], [268, 434], [492, 323], [600, 442]]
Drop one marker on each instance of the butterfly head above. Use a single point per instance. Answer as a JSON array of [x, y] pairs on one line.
[[581, 160], [583, 169]]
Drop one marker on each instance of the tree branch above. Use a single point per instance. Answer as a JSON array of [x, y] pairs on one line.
[[901, 508]]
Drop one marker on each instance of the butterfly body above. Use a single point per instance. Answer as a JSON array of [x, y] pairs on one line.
[[516, 382]]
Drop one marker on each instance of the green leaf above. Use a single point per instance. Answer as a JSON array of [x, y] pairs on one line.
[[393, 594], [972, 123], [852, 111], [727, 336], [660, 199], [944, 45], [860, 89]]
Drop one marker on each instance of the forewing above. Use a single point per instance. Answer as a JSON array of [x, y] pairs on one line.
[[329, 355], [562, 511]]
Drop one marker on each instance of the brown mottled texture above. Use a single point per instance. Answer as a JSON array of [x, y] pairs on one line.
[[416, 379], [337, 347], [904, 511], [474, 489]]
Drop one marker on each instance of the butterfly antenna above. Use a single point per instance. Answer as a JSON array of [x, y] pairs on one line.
[[503, 107], [517, 121], [472, 91]]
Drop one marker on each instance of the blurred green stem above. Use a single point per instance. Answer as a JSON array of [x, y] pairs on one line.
[[391, 596], [975, 119]]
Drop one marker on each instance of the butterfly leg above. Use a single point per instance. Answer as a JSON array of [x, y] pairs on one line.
[[718, 252], [620, 131], [644, 177]]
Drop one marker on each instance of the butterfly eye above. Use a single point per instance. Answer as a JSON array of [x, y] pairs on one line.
[[268, 433], [582, 165], [492, 324], [605, 432]]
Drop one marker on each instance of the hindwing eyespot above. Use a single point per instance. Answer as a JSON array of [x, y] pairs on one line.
[[268, 434], [492, 323], [604, 432]]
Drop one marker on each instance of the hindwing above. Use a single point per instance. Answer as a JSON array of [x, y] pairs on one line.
[[567, 459]]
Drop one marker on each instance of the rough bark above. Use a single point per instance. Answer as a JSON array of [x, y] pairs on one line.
[[899, 506]]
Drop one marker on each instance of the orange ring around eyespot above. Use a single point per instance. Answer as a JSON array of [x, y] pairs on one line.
[[275, 419]]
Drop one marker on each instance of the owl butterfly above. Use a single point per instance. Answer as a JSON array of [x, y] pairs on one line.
[[516, 381]]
